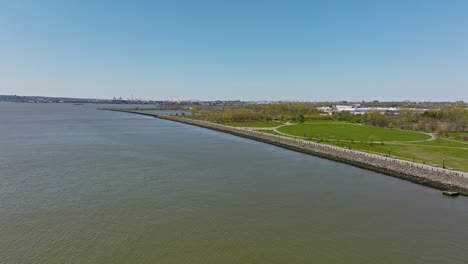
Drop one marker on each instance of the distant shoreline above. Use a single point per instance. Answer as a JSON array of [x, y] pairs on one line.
[[426, 175]]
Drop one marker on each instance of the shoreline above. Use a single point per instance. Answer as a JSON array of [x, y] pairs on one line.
[[442, 179]]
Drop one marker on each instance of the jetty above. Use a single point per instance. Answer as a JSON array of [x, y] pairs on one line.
[[439, 178]]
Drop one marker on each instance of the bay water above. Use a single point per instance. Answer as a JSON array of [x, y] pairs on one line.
[[80, 185]]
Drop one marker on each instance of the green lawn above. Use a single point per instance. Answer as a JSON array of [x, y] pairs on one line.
[[253, 124], [396, 143], [347, 131], [435, 153], [327, 121], [443, 143], [462, 136], [268, 131]]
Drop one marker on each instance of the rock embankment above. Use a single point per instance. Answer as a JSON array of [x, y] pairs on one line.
[[422, 174]]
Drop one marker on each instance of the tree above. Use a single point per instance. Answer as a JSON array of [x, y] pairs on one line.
[[301, 119], [433, 124]]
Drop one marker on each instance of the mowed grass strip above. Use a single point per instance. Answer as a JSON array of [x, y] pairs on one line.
[[443, 143], [452, 154], [268, 131], [253, 124], [436, 153], [347, 131]]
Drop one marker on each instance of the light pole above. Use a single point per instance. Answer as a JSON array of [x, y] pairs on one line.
[[443, 163]]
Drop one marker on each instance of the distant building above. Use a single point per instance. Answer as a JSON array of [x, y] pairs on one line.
[[355, 109]]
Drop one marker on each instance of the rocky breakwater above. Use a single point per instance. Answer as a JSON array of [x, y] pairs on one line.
[[442, 179]]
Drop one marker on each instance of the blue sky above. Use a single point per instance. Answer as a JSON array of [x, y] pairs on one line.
[[248, 50]]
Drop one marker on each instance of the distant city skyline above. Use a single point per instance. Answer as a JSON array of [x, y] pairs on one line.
[[236, 50]]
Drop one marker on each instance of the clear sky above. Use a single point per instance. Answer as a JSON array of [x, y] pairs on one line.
[[240, 49]]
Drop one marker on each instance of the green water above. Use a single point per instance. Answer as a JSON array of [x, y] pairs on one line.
[[79, 185]]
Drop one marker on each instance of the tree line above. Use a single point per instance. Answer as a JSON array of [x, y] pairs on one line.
[[446, 120], [261, 112]]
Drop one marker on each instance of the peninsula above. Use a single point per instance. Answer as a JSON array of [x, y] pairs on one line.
[[431, 176]]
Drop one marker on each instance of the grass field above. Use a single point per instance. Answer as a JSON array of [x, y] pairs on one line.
[[269, 132], [347, 131], [435, 152], [462, 136], [253, 124], [396, 143]]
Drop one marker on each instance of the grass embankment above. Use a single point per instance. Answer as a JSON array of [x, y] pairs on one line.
[[435, 153], [253, 124], [268, 131], [461, 136], [346, 131], [384, 141]]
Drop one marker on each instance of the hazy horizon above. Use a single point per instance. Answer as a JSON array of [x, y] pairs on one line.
[[231, 99], [238, 50]]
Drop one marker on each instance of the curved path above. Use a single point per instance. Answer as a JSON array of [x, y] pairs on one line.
[[432, 136]]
